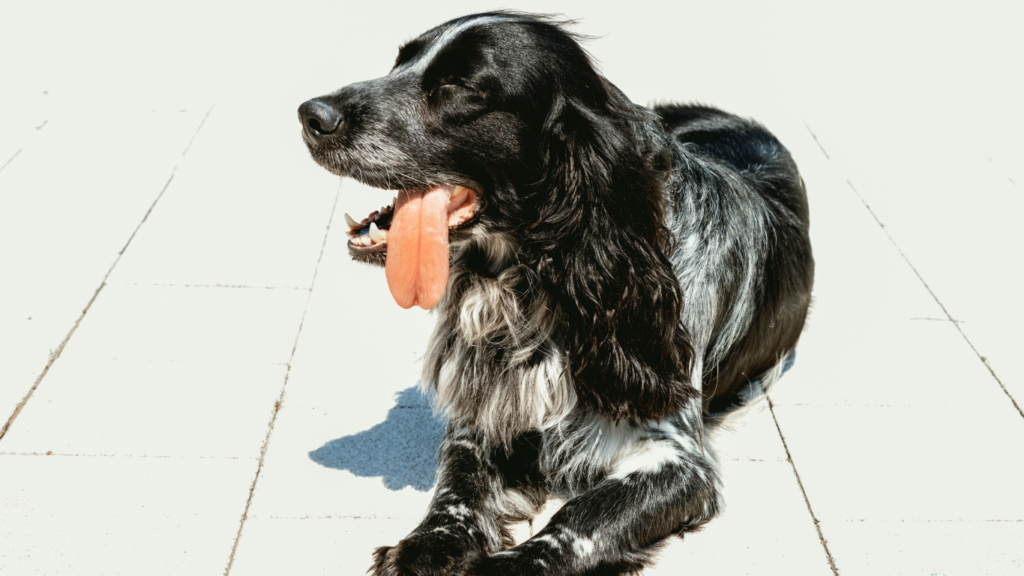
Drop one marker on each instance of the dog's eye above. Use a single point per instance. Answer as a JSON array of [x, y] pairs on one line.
[[446, 84]]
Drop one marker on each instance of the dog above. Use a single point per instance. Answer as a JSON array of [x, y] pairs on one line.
[[610, 282]]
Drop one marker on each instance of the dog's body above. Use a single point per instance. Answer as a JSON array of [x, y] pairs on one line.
[[579, 223]]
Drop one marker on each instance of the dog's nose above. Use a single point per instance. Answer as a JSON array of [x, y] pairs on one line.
[[318, 118]]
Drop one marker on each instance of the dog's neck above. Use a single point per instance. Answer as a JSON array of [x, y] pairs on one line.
[[494, 362]]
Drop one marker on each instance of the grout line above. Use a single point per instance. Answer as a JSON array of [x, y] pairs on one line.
[[193, 139], [232, 286], [280, 397], [56, 354], [807, 501], [11, 159], [160, 195], [53, 358], [816, 141], [956, 323], [935, 297], [146, 456]]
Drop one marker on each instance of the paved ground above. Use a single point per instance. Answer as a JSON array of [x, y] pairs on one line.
[[196, 380]]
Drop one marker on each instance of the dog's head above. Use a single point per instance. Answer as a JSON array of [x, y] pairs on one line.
[[496, 129]]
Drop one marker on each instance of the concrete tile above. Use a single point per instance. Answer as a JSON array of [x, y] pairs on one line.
[[940, 548], [354, 437], [956, 224], [304, 546], [219, 325], [149, 408], [766, 524], [362, 460], [765, 528], [23, 117], [62, 225], [248, 208], [874, 335], [10, 396], [751, 436], [27, 345], [991, 336], [99, 516], [858, 273], [908, 463], [905, 363], [357, 346]]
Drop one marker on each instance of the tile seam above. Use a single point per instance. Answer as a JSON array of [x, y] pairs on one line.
[[956, 323], [935, 297], [284, 386], [60, 348], [231, 286], [142, 456], [11, 159], [803, 492]]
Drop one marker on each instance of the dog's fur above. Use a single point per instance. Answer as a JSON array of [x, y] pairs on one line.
[[627, 275]]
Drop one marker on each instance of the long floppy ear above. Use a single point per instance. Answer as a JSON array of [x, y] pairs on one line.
[[601, 244]]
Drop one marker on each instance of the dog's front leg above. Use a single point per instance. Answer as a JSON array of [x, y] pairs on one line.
[[615, 526], [478, 492]]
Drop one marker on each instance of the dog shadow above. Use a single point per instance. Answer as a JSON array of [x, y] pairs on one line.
[[402, 449]]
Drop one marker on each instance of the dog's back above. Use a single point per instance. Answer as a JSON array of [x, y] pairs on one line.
[[740, 214]]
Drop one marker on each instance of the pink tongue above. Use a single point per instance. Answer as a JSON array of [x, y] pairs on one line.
[[417, 261]]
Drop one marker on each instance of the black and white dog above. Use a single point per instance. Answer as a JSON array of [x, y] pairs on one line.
[[609, 281]]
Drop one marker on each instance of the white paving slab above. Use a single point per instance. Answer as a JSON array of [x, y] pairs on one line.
[[356, 462], [908, 463], [354, 438], [155, 408], [171, 323], [24, 115], [86, 516], [302, 546], [951, 210], [76, 217], [249, 208], [895, 346], [357, 345], [752, 436], [27, 344], [766, 523], [62, 226], [934, 548], [765, 529]]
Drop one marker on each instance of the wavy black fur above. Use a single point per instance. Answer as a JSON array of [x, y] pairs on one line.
[[628, 273]]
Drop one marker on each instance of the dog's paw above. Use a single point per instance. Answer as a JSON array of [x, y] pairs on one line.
[[430, 554]]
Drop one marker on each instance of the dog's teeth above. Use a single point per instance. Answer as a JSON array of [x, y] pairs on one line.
[[351, 223], [376, 235]]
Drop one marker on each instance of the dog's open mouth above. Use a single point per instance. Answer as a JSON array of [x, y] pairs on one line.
[[413, 233]]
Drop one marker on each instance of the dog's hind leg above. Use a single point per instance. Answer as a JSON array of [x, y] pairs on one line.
[[479, 491]]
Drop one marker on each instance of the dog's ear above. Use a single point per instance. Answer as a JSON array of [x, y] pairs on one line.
[[601, 245]]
